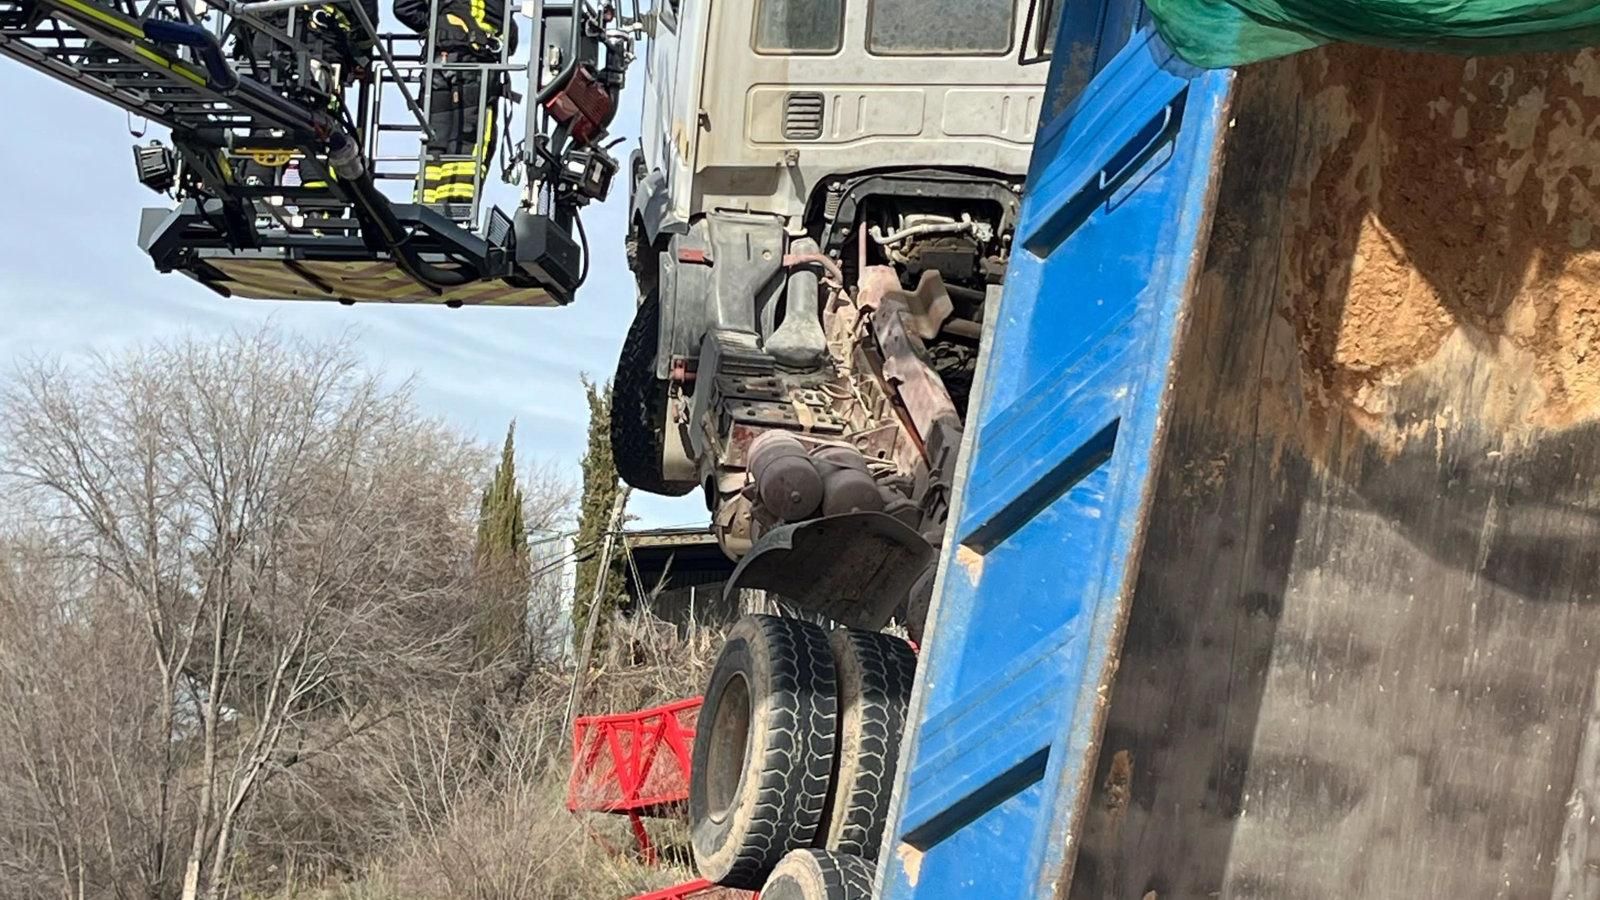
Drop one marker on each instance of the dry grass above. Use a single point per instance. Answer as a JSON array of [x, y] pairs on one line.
[[511, 837], [514, 845]]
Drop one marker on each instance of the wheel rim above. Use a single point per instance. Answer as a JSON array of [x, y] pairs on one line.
[[730, 740]]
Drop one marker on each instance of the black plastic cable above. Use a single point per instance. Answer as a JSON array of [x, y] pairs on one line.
[[583, 241]]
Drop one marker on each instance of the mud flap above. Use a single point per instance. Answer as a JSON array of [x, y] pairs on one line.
[[856, 568]]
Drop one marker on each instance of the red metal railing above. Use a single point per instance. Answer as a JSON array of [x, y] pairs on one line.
[[637, 764], [690, 891], [633, 764]]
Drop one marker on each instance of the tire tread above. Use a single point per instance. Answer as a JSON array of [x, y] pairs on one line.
[[822, 875], [639, 407], [796, 766], [872, 718]]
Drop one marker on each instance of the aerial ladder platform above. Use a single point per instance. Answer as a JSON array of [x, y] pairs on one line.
[[329, 104]]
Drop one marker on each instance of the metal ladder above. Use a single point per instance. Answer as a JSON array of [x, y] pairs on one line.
[[415, 63], [100, 48], [244, 224]]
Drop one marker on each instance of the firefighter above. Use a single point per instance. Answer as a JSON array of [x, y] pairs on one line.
[[340, 54], [335, 39], [466, 31]]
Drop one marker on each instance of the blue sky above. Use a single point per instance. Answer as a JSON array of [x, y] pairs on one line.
[[73, 280]]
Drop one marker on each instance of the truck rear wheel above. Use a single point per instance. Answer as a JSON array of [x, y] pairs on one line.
[[763, 751], [875, 676], [820, 875], [639, 407]]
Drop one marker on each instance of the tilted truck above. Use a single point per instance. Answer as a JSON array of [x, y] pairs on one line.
[[1271, 570], [822, 209]]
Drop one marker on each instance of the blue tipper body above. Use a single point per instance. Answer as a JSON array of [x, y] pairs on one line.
[[1059, 473]]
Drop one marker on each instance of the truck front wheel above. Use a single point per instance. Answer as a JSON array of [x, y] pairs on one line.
[[639, 408], [763, 750]]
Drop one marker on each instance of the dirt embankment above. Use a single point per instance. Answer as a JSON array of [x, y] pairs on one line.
[[1444, 222]]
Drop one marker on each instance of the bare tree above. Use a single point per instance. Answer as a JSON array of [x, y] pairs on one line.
[[247, 544], [551, 500], [59, 792]]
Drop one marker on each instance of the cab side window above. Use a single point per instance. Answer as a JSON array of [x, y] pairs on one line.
[[667, 14], [1048, 24], [799, 26], [940, 27]]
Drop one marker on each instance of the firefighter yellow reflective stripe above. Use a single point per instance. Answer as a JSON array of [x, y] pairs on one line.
[[448, 192], [338, 15], [452, 171], [457, 21], [482, 153], [481, 16]]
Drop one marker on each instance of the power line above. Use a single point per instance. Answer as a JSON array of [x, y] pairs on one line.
[[558, 536], [569, 556]]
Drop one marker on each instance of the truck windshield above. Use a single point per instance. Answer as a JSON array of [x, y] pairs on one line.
[[940, 27], [799, 26]]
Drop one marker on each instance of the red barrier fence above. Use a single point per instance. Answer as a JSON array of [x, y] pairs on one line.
[[633, 764], [637, 765], [694, 890]]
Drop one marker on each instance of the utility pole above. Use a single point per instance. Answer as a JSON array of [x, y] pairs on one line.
[[600, 579]]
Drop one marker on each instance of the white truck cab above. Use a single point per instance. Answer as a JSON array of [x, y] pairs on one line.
[[751, 104], [823, 205]]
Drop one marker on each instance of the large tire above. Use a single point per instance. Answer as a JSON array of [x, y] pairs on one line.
[[820, 875], [875, 676], [763, 751], [634, 250], [639, 407]]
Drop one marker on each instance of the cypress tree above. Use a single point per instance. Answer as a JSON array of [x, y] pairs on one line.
[[600, 488], [502, 558]]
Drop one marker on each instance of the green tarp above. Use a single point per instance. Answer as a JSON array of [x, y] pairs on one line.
[[1217, 33]]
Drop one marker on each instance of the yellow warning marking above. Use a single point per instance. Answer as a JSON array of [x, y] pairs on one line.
[[103, 17], [272, 158], [169, 65], [134, 31]]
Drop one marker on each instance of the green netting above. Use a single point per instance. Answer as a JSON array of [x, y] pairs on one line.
[[1217, 33]]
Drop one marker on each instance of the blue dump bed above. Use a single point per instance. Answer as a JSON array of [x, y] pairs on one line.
[[1274, 567]]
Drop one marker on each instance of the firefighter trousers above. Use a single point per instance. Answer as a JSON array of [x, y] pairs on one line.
[[461, 116]]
